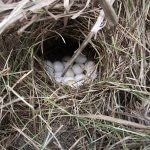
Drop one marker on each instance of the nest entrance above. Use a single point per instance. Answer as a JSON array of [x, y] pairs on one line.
[[57, 48], [54, 49]]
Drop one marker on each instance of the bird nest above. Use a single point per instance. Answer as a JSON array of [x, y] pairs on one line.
[[38, 111]]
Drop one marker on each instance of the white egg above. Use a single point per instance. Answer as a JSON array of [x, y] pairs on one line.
[[58, 79], [92, 76], [66, 79], [89, 64], [89, 67], [69, 73], [77, 69], [81, 59], [82, 66], [65, 63], [66, 58], [49, 67], [70, 83], [79, 77], [48, 63], [57, 74], [58, 66], [77, 84], [50, 72]]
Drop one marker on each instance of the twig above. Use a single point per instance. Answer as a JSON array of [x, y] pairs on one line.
[[50, 136], [121, 141], [109, 12], [73, 146], [115, 120], [22, 29], [78, 51], [20, 97], [22, 78], [97, 26], [35, 17], [31, 140], [21, 9]]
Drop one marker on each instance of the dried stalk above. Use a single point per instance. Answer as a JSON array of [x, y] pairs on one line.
[[112, 18]]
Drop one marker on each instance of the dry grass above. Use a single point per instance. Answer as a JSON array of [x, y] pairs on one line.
[[112, 112]]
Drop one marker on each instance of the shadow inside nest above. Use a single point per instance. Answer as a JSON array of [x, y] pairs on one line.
[[56, 48]]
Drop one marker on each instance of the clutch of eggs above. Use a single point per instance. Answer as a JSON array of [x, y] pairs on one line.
[[81, 71]]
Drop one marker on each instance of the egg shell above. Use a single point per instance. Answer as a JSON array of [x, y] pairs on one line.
[[49, 67], [79, 77], [82, 66], [66, 58], [92, 75], [64, 63], [58, 79], [89, 64], [70, 83], [78, 84], [66, 79], [81, 59], [58, 66], [48, 63], [58, 74], [77, 69], [69, 73], [89, 67], [50, 72]]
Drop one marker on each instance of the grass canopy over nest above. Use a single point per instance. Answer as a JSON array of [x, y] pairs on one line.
[[111, 112]]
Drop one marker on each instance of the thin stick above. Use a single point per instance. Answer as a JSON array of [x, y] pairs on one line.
[[78, 51], [115, 120], [20, 97], [22, 29], [97, 26], [109, 12], [73, 146]]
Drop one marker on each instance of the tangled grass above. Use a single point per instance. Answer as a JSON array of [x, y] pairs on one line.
[[112, 112]]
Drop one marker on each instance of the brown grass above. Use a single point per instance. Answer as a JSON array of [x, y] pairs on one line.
[[112, 112]]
